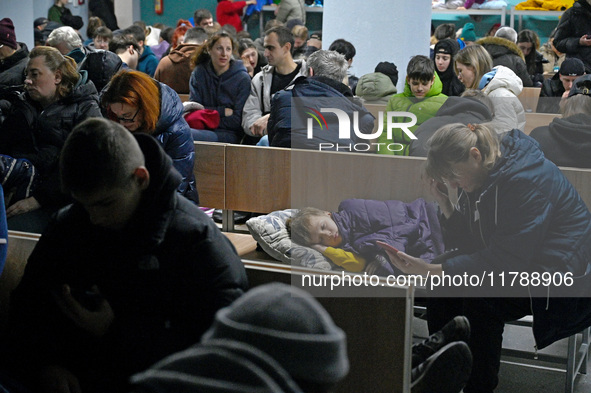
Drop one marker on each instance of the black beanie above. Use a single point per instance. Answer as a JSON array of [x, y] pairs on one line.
[[389, 69], [291, 326], [447, 46]]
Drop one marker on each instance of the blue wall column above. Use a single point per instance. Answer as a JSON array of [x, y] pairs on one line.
[[393, 30]]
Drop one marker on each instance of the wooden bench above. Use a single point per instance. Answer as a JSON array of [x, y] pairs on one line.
[[378, 328]]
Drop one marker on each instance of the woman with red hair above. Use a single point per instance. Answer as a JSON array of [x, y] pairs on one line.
[[179, 33], [142, 104]]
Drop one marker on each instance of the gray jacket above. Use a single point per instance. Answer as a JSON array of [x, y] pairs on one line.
[[259, 100]]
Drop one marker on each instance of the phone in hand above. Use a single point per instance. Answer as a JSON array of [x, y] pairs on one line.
[[388, 247]]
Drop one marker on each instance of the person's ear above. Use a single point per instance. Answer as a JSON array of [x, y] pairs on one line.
[[58, 77], [475, 154], [142, 177]]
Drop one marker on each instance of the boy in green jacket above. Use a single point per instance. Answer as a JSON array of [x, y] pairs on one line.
[[422, 96]]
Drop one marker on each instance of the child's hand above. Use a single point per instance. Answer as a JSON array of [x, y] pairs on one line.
[[412, 265], [319, 247]]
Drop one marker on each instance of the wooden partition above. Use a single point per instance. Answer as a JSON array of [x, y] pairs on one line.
[[534, 120], [529, 98], [323, 179], [257, 178], [210, 174], [379, 330]]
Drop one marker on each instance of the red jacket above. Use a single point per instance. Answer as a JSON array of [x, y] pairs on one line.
[[229, 12]]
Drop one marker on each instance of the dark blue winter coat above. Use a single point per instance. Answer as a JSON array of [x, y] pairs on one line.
[[312, 94], [174, 134], [410, 227], [217, 92], [531, 219]]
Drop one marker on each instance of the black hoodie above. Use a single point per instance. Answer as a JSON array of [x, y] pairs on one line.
[[455, 110], [164, 275], [566, 142]]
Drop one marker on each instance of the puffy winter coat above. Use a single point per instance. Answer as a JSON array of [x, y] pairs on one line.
[[566, 141], [508, 54], [173, 132], [455, 110], [503, 90], [38, 134], [575, 23], [527, 217], [314, 94], [423, 109], [12, 69], [375, 87], [217, 92], [410, 227]]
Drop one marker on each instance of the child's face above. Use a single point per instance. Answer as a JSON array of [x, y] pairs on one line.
[[420, 88], [323, 230]]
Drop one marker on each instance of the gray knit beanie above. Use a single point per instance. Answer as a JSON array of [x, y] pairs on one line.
[[291, 326]]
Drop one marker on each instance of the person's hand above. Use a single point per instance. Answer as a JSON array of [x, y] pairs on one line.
[[56, 379], [23, 206], [318, 247], [259, 128], [440, 193], [585, 40], [251, 2], [565, 94], [248, 67], [412, 265], [95, 322], [228, 112], [191, 106]]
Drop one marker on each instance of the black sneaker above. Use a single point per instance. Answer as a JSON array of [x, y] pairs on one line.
[[458, 329], [446, 371]]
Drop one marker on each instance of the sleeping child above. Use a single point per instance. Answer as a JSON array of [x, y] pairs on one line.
[[348, 237]]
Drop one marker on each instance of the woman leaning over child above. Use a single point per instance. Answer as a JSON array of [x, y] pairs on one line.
[[516, 212]]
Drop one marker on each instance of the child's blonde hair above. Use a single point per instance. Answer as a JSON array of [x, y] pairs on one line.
[[299, 225]]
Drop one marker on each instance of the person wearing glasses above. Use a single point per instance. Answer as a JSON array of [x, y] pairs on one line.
[[142, 104], [55, 100]]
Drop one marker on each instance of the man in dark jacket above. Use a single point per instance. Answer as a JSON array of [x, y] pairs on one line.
[[13, 56], [566, 141], [322, 89], [557, 88], [573, 34], [508, 54], [129, 273], [13, 60]]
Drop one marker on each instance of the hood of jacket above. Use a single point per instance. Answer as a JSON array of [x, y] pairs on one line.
[[83, 90], [149, 229], [464, 105], [504, 78], [497, 47], [236, 67], [375, 85], [182, 52], [171, 109], [573, 134], [435, 89], [147, 52]]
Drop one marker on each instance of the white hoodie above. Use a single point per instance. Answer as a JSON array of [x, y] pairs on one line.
[[503, 90]]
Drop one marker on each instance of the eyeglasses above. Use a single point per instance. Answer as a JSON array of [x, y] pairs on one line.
[[124, 120]]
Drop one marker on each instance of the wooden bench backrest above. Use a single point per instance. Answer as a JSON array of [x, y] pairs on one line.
[[257, 181], [533, 120], [378, 330], [184, 97], [210, 174], [529, 98]]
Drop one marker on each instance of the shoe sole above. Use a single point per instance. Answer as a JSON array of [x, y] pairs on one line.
[[447, 371]]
